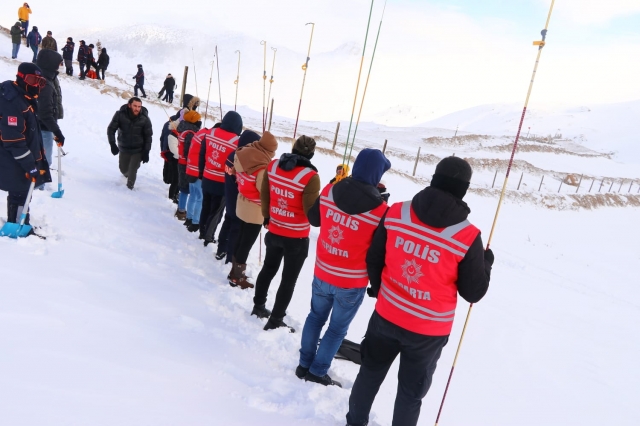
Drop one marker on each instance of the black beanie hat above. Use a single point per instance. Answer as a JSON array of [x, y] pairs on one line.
[[26, 68], [305, 146], [453, 175]]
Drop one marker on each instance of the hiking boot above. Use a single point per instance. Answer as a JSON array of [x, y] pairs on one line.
[[301, 371], [222, 255], [234, 274], [261, 312], [187, 222], [130, 185], [181, 214], [242, 281], [274, 323], [324, 380], [194, 227]]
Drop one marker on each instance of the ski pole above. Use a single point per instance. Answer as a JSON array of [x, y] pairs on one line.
[[195, 76], [237, 82], [206, 110], [219, 90], [264, 83], [366, 85], [271, 79], [540, 45], [304, 77]]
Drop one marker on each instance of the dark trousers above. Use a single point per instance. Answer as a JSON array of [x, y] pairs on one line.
[[212, 206], [98, 71], [129, 165], [35, 52], [135, 90], [419, 355], [68, 65], [294, 251], [25, 28], [232, 235], [223, 237], [82, 70], [247, 236], [15, 202], [169, 96]]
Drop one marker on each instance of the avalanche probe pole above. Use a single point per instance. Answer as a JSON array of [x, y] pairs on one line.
[[540, 45], [264, 83], [237, 82], [206, 109], [219, 90], [273, 65], [195, 76], [304, 78]]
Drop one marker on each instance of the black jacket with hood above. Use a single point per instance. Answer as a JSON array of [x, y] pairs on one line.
[[50, 98], [134, 133]]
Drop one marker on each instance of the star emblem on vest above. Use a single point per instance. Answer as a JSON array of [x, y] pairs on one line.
[[335, 234], [282, 203], [215, 154], [412, 271]]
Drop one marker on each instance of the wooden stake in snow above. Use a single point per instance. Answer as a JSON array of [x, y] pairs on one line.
[[541, 180], [610, 187], [520, 181], [415, 166], [579, 183], [561, 182], [592, 181], [184, 83], [619, 189], [335, 138], [630, 185], [384, 147], [601, 183], [494, 179]]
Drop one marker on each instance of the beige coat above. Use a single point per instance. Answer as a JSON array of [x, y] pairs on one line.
[[246, 210]]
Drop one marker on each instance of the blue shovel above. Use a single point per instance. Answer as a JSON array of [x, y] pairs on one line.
[[19, 230], [60, 192]]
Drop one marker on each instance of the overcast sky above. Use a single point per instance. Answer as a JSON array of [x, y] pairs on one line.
[[438, 55]]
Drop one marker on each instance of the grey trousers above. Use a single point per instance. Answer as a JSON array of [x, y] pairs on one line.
[[129, 165]]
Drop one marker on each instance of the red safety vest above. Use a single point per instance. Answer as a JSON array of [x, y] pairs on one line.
[[343, 242], [193, 156], [418, 291], [286, 213], [219, 144], [182, 159], [247, 185]]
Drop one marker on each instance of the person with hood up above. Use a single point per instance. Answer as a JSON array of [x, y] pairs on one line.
[[187, 128], [83, 53], [22, 157], [50, 101], [91, 60], [16, 41], [49, 42], [250, 165], [231, 225], [214, 146], [424, 253], [134, 129], [103, 63], [289, 189], [23, 17], [139, 78], [342, 171], [348, 213], [67, 55], [169, 86], [33, 40]]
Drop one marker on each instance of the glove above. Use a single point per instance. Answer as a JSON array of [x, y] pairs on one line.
[[59, 138], [34, 174], [489, 257], [371, 293], [145, 156], [114, 149]]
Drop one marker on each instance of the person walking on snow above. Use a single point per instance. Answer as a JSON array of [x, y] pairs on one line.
[[33, 40], [423, 254], [187, 128], [49, 42], [83, 52], [67, 55], [289, 189], [103, 63], [348, 214], [250, 165], [169, 86], [16, 41], [23, 17], [139, 78], [133, 125], [21, 154]]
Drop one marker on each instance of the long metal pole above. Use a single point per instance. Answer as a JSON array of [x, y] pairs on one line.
[[541, 44], [195, 75], [273, 64], [270, 114], [219, 90], [264, 84], [237, 82], [304, 78], [206, 109]]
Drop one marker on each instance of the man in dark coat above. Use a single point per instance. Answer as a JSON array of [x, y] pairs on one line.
[[16, 41], [67, 55], [139, 78], [50, 101], [33, 41], [169, 86], [49, 42], [83, 52], [21, 155], [103, 63], [133, 125], [91, 61]]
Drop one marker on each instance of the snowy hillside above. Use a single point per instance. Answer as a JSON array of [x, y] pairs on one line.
[[121, 317]]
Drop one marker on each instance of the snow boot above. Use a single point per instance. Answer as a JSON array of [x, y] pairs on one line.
[[181, 214], [242, 282], [324, 380], [187, 222], [194, 227], [301, 372], [234, 274], [261, 312], [12, 213], [274, 323], [221, 255]]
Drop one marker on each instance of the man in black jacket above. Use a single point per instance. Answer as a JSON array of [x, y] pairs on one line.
[[103, 63], [50, 101], [83, 53], [21, 154], [67, 55], [134, 138], [423, 254], [169, 86], [139, 78]]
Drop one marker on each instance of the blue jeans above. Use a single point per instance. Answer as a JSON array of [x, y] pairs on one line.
[[194, 203], [182, 200], [47, 143], [35, 53], [342, 304], [14, 50]]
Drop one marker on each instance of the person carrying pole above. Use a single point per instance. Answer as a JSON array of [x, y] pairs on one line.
[[424, 253]]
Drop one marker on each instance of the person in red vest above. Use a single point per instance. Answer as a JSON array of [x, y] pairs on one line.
[[347, 212], [215, 146], [423, 254], [289, 189]]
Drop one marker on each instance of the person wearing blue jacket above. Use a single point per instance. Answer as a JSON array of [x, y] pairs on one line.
[[139, 78], [67, 55], [33, 41]]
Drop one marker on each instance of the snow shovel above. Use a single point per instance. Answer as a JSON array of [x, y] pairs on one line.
[[19, 230], [60, 192]]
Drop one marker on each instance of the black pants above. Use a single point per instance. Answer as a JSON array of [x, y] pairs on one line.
[[294, 251], [247, 236], [169, 96], [68, 65], [419, 355], [129, 165], [212, 207], [135, 90], [100, 70], [82, 70], [223, 236], [15, 202]]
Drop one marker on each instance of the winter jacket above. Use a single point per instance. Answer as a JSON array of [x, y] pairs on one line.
[[49, 43], [438, 209], [310, 193], [50, 98], [16, 33], [230, 184], [90, 58], [67, 51], [183, 127], [169, 84], [139, 77], [134, 133], [164, 136], [103, 59], [83, 52], [23, 13], [34, 38], [20, 140]]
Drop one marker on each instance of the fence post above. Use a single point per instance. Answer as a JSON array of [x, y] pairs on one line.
[[630, 185], [561, 182], [415, 166], [610, 186], [494, 179], [335, 138], [384, 147], [520, 181], [621, 182], [541, 180], [184, 83], [579, 183], [593, 180], [601, 183]]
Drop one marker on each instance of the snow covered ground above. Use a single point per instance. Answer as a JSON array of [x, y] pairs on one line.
[[121, 317]]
